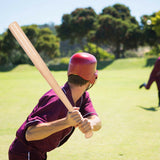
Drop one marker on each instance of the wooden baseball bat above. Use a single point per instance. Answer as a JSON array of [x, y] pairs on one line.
[[40, 65]]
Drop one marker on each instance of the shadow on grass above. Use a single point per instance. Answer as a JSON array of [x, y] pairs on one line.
[[150, 62], [103, 64], [152, 109], [64, 67], [100, 64], [7, 68], [59, 67]]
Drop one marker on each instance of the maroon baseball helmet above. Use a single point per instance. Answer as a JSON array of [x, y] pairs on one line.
[[84, 65]]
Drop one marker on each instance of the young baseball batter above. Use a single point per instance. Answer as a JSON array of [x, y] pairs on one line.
[[50, 125], [154, 76]]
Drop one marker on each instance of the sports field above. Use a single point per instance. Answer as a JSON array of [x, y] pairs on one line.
[[130, 119]]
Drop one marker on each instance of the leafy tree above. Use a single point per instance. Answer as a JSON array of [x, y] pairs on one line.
[[1, 40], [3, 56], [47, 44], [67, 49], [43, 39], [119, 11], [118, 29], [32, 32], [149, 36], [44, 31], [8, 42], [51, 26], [151, 32], [155, 51], [76, 26], [156, 23], [8, 47], [132, 37], [98, 52]]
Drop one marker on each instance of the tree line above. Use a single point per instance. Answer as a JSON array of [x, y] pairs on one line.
[[85, 30]]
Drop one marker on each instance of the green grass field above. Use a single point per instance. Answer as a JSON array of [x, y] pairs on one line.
[[130, 120]]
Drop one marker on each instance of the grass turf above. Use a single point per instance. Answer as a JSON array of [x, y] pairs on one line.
[[129, 116]]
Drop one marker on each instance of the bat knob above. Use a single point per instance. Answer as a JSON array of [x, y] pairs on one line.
[[89, 134]]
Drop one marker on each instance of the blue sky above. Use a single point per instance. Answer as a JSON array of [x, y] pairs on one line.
[[27, 12]]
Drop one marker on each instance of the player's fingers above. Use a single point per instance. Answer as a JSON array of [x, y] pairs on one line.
[[85, 129], [85, 126], [75, 117]]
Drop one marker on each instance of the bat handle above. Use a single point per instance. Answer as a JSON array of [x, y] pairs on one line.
[[89, 134]]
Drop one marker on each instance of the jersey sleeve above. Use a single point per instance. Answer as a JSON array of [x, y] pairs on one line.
[[45, 111]]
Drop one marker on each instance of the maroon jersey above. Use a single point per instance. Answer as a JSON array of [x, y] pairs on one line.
[[49, 108], [155, 75]]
